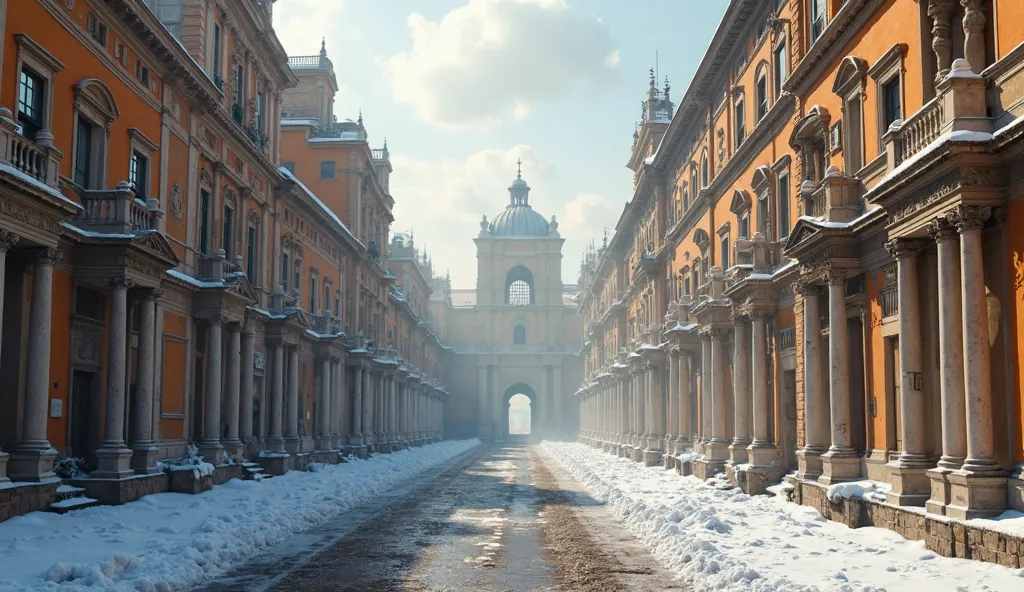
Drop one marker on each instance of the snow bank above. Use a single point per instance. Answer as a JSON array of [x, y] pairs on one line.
[[722, 539], [869, 490], [173, 541]]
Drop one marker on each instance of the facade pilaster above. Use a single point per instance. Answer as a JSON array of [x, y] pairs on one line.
[[717, 449], [323, 408], [232, 395], [367, 407], [292, 441], [355, 437], [275, 439], [704, 423], [113, 458], [684, 439], [762, 451], [672, 412], [144, 450], [210, 447], [247, 347]]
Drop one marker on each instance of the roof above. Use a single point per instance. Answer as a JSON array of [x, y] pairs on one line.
[[519, 220], [463, 297]]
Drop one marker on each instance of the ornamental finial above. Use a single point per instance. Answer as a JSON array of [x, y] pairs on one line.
[[519, 169]]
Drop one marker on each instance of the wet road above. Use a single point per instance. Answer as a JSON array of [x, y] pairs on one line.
[[499, 519]]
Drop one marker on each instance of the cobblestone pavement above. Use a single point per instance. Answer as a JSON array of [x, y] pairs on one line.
[[499, 519]]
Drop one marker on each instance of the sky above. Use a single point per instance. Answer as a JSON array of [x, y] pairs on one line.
[[462, 89]]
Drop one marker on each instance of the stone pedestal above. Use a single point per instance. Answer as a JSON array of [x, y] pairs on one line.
[[706, 468], [3, 467], [652, 457], [975, 496], [143, 461], [113, 463], [32, 466], [757, 480], [684, 467], [839, 468], [762, 457], [910, 486], [808, 464], [940, 492], [292, 445], [738, 452], [277, 464], [669, 462]]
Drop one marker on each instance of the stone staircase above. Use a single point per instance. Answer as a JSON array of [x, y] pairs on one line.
[[254, 472], [71, 498]]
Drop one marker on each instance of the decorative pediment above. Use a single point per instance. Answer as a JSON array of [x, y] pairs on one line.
[[95, 94], [811, 128], [740, 201], [155, 245], [701, 238], [850, 74], [762, 179], [801, 232], [239, 284]]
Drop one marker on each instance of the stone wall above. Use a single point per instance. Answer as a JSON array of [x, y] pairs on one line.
[[22, 499]]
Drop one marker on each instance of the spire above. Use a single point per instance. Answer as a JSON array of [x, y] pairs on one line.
[[519, 169], [323, 46], [360, 120], [519, 191], [668, 89]]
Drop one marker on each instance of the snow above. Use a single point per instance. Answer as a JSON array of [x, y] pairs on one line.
[[38, 184], [191, 280], [71, 503], [864, 490], [174, 541], [721, 539]]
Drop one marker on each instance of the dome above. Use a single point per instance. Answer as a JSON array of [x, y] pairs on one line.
[[519, 220]]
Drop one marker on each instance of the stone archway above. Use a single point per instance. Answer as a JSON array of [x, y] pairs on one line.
[[523, 389]]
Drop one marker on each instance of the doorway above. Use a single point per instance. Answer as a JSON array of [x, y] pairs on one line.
[[82, 439], [519, 415]]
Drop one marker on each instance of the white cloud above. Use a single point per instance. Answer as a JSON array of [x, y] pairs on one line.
[[300, 24], [490, 60], [582, 222]]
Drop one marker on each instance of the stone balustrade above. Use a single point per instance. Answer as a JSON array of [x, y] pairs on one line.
[[116, 211], [39, 160]]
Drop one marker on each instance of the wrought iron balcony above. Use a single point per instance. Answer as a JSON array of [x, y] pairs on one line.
[[256, 135], [787, 340], [237, 114]]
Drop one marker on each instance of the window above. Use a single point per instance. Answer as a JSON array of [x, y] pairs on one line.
[[284, 272], [853, 151], [892, 102], [169, 13], [138, 174], [290, 166], [239, 90], [744, 222], [519, 335], [298, 276], [337, 305], [817, 19], [204, 222], [251, 250], [327, 169], [519, 293], [783, 206], [141, 73], [31, 92], [227, 238], [762, 215], [327, 297], [90, 303], [780, 69], [83, 154], [97, 30], [686, 285], [762, 97], [704, 169], [312, 294], [724, 244], [686, 198], [741, 131], [216, 54], [259, 111]]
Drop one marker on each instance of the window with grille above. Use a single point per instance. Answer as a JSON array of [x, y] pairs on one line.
[[97, 30], [519, 293]]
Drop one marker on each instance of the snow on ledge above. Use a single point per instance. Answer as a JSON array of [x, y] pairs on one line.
[[172, 541]]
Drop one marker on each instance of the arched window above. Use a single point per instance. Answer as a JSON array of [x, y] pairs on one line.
[[519, 335], [761, 92], [704, 179], [519, 286]]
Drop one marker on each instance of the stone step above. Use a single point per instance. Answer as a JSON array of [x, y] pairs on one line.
[[66, 491], [74, 503]]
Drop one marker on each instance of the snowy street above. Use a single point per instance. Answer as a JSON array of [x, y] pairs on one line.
[[714, 537]]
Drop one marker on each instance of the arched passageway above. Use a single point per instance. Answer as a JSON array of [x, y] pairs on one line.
[[519, 405]]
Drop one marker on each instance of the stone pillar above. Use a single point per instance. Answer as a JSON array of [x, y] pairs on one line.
[[974, 31], [644, 391], [683, 437], [275, 440], [7, 240], [499, 413], [762, 451], [337, 403], [392, 409], [910, 485], [672, 412], [557, 401], [113, 458], [717, 449], [247, 353], [232, 386], [978, 489], [740, 391], [704, 423], [210, 447], [366, 396], [355, 438], [655, 416], [323, 408], [292, 441], [144, 450], [840, 462], [816, 408], [483, 413], [941, 13], [951, 364]]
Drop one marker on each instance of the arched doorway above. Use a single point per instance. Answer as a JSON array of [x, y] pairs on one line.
[[519, 413]]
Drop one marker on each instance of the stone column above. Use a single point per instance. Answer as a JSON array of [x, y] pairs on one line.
[[337, 403], [355, 438], [499, 413], [323, 410], [210, 446], [941, 13], [672, 412], [762, 451], [683, 436], [740, 391], [232, 386], [366, 397], [392, 409], [7, 240], [704, 423], [113, 458], [556, 400], [840, 462], [974, 31], [641, 408], [910, 484], [951, 364], [292, 441], [978, 489], [245, 387], [144, 450], [275, 440], [816, 408], [718, 447]]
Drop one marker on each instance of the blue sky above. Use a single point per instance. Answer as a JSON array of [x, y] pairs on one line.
[[461, 89]]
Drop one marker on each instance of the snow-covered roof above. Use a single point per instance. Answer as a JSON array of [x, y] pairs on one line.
[[38, 184]]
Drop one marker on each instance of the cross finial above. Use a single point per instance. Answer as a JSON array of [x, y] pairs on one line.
[[519, 169]]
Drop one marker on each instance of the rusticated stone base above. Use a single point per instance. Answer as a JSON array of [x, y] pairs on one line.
[[705, 469], [652, 458], [191, 482], [945, 536], [669, 462], [114, 492], [224, 473], [684, 467], [24, 498], [276, 465]]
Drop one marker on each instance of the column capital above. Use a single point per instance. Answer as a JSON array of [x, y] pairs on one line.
[[120, 282], [149, 294], [217, 320], [48, 256], [941, 229], [759, 314], [836, 276], [905, 248], [805, 287], [8, 239], [967, 218]]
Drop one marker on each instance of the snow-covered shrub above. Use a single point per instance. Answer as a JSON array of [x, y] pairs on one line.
[[70, 467]]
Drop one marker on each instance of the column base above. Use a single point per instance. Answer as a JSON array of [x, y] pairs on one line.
[[808, 464], [717, 451], [355, 440], [143, 460], [3, 467], [706, 468], [234, 449], [684, 466], [652, 457], [275, 444], [910, 485], [34, 466], [757, 480], [212, 451], [738, 452], [113, 463], [766, 456], [637, 454], [974, 496], [324, 443], [940, 496], [669, 462], [839, 467], [292, 445]]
